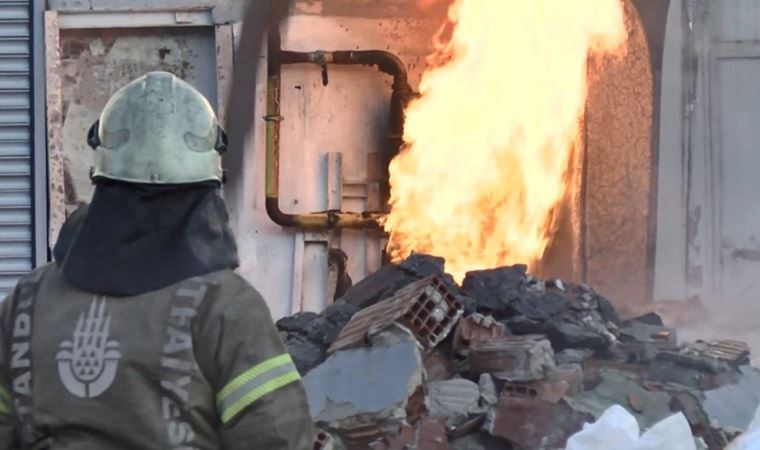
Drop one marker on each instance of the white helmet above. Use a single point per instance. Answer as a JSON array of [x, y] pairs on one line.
[[158, 130]]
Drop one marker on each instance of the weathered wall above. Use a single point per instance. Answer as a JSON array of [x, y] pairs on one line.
[[618, 171], [96, 63]]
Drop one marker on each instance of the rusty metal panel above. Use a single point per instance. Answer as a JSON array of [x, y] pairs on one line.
[[427, 308]]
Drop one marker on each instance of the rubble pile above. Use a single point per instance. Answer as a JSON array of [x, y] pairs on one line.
[[407, 359]]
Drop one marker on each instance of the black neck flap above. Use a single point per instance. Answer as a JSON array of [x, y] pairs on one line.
[[134, 238]]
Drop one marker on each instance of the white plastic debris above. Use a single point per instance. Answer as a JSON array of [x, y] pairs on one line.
[[618, 429], [751, 439], [615, 428]]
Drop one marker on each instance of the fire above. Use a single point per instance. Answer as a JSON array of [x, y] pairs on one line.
[[490, 139]]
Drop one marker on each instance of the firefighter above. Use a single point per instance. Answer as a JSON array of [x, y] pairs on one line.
[[140, 335]]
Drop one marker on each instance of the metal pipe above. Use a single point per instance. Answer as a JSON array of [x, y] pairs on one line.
[[387, 63]]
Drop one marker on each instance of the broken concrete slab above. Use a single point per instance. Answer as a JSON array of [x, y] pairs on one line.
[[453, 401], [426, 434], [572, 356], [535, 424], [488, 393], [615, 388], [733, 406], [365, 389], [512, 358], [689, 402]]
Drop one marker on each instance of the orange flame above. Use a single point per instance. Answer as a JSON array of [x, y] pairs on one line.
[[490, 139]]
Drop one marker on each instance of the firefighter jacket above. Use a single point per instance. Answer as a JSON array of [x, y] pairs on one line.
[[195, 365]]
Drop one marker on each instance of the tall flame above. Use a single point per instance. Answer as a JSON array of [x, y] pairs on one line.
[[491, 137]]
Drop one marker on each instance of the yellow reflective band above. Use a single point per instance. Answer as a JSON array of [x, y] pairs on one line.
[[5, 401], [252, 373], [264, 389]]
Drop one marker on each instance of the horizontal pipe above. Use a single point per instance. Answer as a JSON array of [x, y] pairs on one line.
[[326, 220]]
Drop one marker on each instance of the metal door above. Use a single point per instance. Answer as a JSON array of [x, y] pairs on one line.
[[724, 185]]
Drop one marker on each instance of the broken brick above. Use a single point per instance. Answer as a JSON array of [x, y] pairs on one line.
[[534, 424], [475, 328], [427, 308], [512, 358]]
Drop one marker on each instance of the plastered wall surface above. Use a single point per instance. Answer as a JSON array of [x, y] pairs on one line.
[[96, 63]]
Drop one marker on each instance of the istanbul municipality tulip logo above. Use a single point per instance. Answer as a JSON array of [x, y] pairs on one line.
[[87, 364]]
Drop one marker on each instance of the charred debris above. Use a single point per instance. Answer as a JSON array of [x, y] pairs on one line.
[[407, 359]]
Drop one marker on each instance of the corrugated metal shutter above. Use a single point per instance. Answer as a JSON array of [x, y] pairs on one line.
[[15, 143]]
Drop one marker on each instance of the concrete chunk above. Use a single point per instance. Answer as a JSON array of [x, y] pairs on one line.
[[733, 406], [365, 387], [512, 358], [475, 328], [534, 424], [453, 400]]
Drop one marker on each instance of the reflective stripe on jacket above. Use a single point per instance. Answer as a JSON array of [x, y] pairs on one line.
[[197, 365]]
